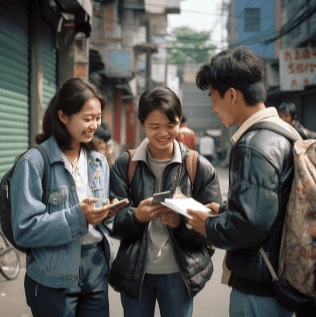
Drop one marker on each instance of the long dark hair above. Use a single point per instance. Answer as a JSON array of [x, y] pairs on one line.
[[70, 98], [162, 99]]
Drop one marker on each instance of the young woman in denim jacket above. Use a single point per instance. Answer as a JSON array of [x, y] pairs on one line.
[[160, 258], [68, 266]]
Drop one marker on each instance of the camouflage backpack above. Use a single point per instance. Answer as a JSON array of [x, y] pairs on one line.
[[295, 282]]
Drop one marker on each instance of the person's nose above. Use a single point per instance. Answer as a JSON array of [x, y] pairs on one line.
[[163, 132], [94, 125]]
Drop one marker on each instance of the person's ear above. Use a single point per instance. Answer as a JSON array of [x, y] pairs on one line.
[[141, 125], [62, 117], [233, 94]]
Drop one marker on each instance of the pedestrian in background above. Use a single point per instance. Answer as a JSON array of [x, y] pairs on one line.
[[287, 112], [260, 177], [105, 145], [207, 147], [186, 135], [160, 258], [68, 266]]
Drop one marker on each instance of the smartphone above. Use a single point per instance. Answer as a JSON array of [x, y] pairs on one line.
[[160, 197], [114, 204]]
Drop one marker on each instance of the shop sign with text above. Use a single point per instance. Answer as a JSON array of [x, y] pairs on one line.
[[297, 68]]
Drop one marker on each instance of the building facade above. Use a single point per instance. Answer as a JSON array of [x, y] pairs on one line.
[[37, 55], [292, 75], [127, 56]]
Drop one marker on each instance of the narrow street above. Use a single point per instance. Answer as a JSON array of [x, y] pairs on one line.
[[213, 300]]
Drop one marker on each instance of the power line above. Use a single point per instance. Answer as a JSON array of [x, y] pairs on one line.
[[288, 27]]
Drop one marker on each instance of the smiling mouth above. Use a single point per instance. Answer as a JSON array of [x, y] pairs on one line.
[[88, 134], [162, 140]]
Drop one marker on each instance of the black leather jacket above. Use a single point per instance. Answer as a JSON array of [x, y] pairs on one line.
[[192, 256], [260, 178]]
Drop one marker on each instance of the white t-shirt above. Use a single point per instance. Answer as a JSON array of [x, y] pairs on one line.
[[83, 192]]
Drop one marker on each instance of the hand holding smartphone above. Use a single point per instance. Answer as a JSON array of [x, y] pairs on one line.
[[114, 204], [160, 197]]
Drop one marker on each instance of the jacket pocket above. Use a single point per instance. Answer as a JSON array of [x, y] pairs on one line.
[[58, 198]]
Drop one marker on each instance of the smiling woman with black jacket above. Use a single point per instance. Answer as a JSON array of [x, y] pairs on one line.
[[160, 257]]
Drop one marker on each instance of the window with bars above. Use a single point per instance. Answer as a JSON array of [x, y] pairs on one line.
[[252, 19]]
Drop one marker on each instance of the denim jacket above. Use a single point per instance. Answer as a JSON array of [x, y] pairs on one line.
[[53, 232]]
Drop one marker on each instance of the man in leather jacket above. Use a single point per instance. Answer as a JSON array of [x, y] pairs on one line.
[[260, 178]]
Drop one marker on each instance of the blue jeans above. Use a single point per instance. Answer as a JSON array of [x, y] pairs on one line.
[[88, 298], [169, 290], [247, 305]]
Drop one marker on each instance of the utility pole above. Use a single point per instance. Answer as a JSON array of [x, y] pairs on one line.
[[148, 57]]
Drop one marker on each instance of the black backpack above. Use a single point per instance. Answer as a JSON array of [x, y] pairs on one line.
[[5, 199]]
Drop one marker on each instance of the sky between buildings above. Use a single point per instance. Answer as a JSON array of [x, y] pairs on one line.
[[202, 15]]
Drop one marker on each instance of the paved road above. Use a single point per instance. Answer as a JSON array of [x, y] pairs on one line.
[[212, 301]]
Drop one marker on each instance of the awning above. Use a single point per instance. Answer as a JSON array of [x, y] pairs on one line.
[[82, 9], [75, 6]]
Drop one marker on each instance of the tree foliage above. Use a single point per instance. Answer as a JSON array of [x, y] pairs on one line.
[[189, 46]]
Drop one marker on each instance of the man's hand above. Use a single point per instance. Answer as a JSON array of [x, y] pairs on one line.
[[169, 217], [214, 207], [145, 213], [198, 220], [93, 215]]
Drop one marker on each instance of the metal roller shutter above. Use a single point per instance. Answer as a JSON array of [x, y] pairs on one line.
[[14, 84], [49, 65]]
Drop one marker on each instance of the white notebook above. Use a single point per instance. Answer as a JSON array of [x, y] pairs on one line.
[[181, 205]]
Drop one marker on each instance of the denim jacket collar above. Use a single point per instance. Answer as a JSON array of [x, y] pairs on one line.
[[55, 152]]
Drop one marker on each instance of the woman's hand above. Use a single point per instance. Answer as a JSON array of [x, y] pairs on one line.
[[113, 211], [93, 215], [145, 213], [169, 217]]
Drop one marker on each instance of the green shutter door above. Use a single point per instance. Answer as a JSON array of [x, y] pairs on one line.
[[49, 65], [14, 84]]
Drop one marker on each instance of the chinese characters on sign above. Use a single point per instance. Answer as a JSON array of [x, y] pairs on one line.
[[297, 68], [80, 70]]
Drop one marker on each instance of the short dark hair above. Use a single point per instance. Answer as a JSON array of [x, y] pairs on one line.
[[162, 99], [70, 98], [288, 107], [238, 68], [184, 119], [104, 132]]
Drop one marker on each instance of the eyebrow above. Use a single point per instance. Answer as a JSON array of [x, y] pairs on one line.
[[160, 123]]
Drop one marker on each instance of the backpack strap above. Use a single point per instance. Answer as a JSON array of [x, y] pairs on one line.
[[46, 173], [191, 165], [132, 166], [268, 125]]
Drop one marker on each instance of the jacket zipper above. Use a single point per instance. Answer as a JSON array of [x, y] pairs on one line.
[[149, 226], [173, 249], [148, 235]]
